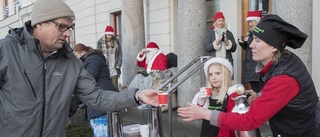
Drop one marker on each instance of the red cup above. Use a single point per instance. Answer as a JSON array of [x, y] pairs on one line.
[[209, 92], [163, 99]]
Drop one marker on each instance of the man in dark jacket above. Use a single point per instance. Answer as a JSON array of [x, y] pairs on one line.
[[39, 73]]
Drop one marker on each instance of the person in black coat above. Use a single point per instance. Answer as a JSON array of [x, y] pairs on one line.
[[249, 68], [95, 63]]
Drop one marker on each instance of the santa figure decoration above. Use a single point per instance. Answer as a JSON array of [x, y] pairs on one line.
[[152, 58]]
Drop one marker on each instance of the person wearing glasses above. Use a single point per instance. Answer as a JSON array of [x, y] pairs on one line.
[[39, 74]]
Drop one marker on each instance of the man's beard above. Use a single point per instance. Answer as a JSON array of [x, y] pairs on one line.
[[150, 54]]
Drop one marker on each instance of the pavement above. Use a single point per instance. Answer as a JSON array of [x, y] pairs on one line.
[[133, 116]]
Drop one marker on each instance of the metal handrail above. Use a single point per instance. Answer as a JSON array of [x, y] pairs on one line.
[[172, 89], [178, 73]]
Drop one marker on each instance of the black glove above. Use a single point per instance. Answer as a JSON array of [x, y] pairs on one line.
[[243, 44]]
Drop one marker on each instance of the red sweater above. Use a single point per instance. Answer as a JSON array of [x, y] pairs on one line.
[[275, 95]]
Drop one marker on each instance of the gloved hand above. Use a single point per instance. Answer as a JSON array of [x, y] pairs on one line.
[[202, 96], [242, 43]]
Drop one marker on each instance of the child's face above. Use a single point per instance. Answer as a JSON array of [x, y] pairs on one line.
[[215, 75]]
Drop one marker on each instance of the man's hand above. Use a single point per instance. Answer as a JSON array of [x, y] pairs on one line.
[[144, 50], [149, 96]]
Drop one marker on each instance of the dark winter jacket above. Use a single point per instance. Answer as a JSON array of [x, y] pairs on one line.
[[35, 92], [94, 62], [249, 71], [211, 37]]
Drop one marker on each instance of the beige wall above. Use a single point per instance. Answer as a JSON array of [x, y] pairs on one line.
[[315, 45], [159, 27], [91, 18], [232, 12]]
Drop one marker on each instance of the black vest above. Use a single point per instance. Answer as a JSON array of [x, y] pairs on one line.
[[208, 130], [297, 118]]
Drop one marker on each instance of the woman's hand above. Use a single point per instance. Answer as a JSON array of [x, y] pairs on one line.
[[194, 112], [226, 41], [253, 95], [218, 40]]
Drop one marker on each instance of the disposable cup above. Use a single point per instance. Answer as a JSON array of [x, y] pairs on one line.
[[144, 131], [163, 99], [209, 92]]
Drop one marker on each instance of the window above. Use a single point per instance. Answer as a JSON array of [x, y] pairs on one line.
[[117, 24], [72, 39], [212, 6], [5, 9]]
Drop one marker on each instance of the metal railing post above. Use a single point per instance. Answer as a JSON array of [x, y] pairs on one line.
[[115, 128], [154, 122], [154, 114]]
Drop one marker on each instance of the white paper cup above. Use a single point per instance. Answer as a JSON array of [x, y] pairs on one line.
[[144, 131]]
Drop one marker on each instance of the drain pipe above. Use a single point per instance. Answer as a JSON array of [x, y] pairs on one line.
[[146, 20], [253, 5]]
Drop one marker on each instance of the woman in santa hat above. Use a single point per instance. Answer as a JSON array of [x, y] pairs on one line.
[[111, 49], [219, 41]]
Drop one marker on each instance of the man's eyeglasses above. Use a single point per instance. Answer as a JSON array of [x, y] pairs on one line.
[[62, 27]]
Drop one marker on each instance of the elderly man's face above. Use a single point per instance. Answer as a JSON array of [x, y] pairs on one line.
[[54, 33]]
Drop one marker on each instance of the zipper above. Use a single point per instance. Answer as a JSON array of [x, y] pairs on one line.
[[28, 79], [44, 97]]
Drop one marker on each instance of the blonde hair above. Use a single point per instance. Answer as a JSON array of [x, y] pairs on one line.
[[220, 94]]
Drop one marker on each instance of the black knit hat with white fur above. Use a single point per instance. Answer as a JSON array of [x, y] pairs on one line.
[[45, 10], [278, 33]]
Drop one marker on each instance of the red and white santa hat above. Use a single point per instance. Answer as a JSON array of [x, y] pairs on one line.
[[109, 30], [254, 15], [152, 45]]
